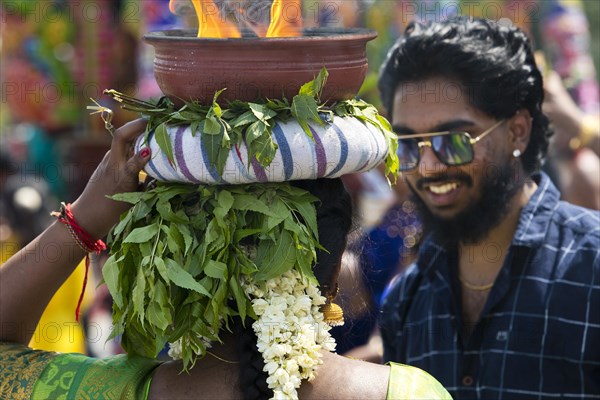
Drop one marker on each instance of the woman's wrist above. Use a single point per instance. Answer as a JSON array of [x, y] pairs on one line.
[[96, 224]]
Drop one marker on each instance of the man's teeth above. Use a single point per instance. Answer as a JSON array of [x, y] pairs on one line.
[[443, 189]]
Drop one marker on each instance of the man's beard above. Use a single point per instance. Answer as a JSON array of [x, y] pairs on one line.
[[475, 222]]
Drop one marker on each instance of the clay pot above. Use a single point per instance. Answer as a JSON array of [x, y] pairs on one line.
[[191, 68]]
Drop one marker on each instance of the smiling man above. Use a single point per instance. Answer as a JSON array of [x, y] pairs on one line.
[[504, 300]]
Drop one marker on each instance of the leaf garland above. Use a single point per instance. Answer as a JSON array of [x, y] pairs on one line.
[[368, 113], [178, 255], [220, 128]]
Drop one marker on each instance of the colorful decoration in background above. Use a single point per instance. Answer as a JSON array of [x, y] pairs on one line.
[[56, 54], [155, 16], [566, 43], [558, 27], [37, 51]]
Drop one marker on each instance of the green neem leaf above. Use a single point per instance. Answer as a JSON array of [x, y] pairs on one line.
[[164, 142], [262, 112], [131, 197], [276, 258], [175, 241], [195, 125], [306, 259], [183, 320], [142, 235], [138, 294], [213, 233], [280, 213], [117, 331], [136, 341], [216, 269], [290, 225], [170, 190], [212, 126], [217, 154], [246, 266], [240, 297], [225, 201], [187, 116], [218, 302], [244, 119], [110, 273], [254, 131], [165, 210], [182, 278], [384, 123], [194, 262], [161, 268], [263, 148], [216, 108], [305, 109], [243, 233], [309, 215], [250, 202], [126, 220], [281, 107], [314, 87], [187, 237], [161, 297], [142, 209], [157, 317]]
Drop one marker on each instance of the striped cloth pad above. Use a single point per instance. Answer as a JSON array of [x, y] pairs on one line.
[[344, 146]]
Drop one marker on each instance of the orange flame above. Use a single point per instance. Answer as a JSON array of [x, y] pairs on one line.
[[209, 25], [286, 19]]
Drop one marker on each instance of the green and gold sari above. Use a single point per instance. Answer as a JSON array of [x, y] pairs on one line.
[[43, 375]]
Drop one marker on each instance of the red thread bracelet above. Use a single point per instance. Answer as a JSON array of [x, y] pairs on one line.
[[83, 239]]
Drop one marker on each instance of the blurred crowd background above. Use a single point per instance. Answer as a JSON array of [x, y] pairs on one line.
[[58, 55]]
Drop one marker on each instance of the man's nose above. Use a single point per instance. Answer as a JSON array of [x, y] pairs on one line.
[[430, 164]]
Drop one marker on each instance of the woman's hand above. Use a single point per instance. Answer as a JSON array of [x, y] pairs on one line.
[[117, 173]]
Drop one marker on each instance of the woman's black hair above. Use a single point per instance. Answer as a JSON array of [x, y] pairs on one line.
[[334, 220], [493, 62]]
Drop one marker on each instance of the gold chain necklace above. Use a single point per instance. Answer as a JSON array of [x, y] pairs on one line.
[[479, 288]]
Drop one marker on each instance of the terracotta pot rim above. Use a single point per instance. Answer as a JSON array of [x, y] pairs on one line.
[[310, 35]]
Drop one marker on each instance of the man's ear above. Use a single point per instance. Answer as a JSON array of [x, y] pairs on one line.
[[520, 129]]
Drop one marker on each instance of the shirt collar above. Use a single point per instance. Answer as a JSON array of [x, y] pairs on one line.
[[536, 215]]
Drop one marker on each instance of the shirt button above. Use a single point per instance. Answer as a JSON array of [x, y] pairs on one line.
[[467, 380]]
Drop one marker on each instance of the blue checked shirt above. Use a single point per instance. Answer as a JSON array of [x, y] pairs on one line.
[[539, 332]]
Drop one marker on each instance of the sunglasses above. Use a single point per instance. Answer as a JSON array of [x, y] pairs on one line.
[[453, 148]]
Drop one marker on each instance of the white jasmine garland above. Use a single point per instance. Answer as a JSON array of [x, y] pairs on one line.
[[290, 330]]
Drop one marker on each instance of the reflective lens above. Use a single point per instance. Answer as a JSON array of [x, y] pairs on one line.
[[453, 149], [408, 154]]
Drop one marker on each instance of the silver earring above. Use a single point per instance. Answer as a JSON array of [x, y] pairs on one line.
[[516, 153]]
